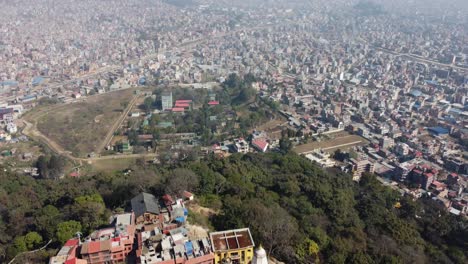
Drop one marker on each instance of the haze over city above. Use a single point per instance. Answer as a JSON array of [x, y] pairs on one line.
[[233, 132]]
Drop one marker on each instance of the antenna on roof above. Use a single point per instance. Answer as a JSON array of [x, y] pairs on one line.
[[78, 235]]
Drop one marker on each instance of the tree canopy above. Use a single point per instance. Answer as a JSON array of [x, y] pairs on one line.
[[297, 211]]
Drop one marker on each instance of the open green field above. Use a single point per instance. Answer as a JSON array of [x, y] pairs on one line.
[[112, 165], [80, 127]]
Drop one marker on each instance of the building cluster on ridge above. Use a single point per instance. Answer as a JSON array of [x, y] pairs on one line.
[[156, 232]]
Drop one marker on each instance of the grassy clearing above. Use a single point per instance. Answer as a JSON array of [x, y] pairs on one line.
[[332, 144], [81, 126], [111, 165]]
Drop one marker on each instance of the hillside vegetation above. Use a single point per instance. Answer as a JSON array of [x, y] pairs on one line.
[[298, 212]]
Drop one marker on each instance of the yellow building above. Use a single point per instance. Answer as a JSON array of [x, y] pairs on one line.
[[233, 246]]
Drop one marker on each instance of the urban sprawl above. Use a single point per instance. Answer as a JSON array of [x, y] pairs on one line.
[[346, 85]]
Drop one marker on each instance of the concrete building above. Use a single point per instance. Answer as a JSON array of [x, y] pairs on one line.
[[260, 144], [321, 158], [386, 142], [358, 167], [402, 149], [241, 146], [166, 101], [233, 246], [147, 209], [111, 245]]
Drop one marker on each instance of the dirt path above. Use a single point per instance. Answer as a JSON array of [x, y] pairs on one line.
[[116, 125], [31, 131]]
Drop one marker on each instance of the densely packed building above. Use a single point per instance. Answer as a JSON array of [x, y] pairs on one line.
[[156, 232]]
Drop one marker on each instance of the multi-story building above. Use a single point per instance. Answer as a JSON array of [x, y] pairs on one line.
[[68, 254], [456, 164], [150, 243], [105, 246], [166, 101], [358, 167], [386, 142], [111, 245], [174, 248], [402, 149], [147, 209], [241, 146], [321, 158], [233, 246]]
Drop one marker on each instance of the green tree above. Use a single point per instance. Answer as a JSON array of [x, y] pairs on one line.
[[180, 180], [67, 230], [47, 219], [56, 166], [148, 104], [307, 251], [32, 240], [42, 165], [20, 244], [91, 210], [285, 145]]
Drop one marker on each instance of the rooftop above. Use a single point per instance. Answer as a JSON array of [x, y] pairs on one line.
[[232, 239], [143, 203]]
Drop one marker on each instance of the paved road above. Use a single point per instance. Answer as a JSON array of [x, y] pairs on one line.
[[413, 56], [422, 59]]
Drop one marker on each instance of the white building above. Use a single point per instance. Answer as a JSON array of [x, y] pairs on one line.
[[241, 146], [322, 158], [166, 101], [11, 128]]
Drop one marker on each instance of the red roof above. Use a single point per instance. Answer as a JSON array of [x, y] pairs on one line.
[[94, 246], [71, 261], [428, 175], [187, 194], [260, 143], [71, 243], [74, 174], [438, 184], [168, 198], [213, 103], [182, 104], [178, 109], [145, 137]]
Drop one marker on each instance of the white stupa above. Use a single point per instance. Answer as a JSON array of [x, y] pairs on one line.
[[260, 256]]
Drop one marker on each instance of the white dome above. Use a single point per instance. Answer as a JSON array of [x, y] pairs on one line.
[[260, 253], [260, 256]]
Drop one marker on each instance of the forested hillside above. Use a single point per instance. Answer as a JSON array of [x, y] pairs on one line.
[[298, 212]]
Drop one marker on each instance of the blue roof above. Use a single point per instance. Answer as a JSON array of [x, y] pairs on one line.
[[37, 80], [415, 93], [455, 110], [188, 246], [432, 82], [438, 130], [450, 119], [9, 83]]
